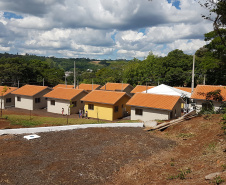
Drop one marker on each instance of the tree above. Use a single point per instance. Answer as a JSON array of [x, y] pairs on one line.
[[219, 21]]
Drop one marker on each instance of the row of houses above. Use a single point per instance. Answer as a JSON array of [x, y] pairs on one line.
[[111, 101]]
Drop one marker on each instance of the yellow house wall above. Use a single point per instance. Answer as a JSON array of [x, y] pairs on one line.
[[101, 111], [121, 109], [106, 112]]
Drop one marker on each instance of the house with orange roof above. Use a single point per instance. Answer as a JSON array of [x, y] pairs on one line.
[[7, 98], [63, 86], [88, 87], [121, 87], [147, 107], [199, 96], [66, 99], [30, 97], [141, 88], [106, 105], [187, 89]]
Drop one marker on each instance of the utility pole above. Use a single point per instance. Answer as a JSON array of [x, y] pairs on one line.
[[65, 80], [193, 75], [74, 76], [204, 80]]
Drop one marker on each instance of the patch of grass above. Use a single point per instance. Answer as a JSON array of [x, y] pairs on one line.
[[218, 180], [181, 175], [224, 167], [185, 135], [27, 121], [211, 147]]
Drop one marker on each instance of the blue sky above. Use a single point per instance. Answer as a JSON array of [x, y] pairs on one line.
[[101, 29]]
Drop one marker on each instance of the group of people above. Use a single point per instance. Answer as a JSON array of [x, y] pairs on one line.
[[83, 114]]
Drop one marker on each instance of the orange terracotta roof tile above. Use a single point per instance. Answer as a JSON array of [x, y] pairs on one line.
[[187, 89], [105, 97], [156, 101], [200, 90], [64, 86], [63, 93], [9, 90], [141, 88], [88, 87], [29, 90], [114, 86]]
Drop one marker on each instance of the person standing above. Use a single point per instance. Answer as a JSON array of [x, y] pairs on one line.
[[62, 111]]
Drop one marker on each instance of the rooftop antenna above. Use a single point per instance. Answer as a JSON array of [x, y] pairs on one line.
[[122, 86], [193, 75], [146, 87], [92, 84]]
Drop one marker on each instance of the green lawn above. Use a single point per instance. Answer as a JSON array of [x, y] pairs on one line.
[[27, 121]]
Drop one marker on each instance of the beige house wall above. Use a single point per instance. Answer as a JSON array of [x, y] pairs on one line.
[[200, 102], [28, 102], [7, 104], [57, 108], [59, 104], [150, 114], [25, 103]]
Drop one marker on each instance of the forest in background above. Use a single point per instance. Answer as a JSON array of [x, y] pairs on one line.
[[175, 69]]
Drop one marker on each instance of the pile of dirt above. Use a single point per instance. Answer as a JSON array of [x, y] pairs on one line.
[[182, 154]]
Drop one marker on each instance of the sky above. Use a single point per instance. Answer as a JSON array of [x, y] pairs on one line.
[[101, 29]]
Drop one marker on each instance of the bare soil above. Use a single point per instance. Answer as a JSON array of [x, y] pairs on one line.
[[116, 155]]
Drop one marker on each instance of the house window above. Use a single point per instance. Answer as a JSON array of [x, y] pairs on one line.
[[74, 103], [37, 100], [18, 98], [122, 105], [8, 100], [90, 106], [52, 102], [116, 108], [139, 112]]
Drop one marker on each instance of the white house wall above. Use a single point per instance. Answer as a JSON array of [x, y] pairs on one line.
[[25, 103], [12, 103], [57, 108], [59, 104], [43, 102], [150, 114], [200, 102]]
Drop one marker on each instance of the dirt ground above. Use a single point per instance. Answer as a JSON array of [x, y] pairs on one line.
[[196, 147]]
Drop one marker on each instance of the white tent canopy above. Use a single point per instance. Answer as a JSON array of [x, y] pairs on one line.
[[167, 90]]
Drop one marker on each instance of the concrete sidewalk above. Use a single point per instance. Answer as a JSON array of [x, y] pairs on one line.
[[68, 127]]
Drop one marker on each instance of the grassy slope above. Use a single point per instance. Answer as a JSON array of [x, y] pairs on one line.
[[200, 150]]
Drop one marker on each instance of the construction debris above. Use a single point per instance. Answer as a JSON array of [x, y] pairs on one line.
[[164, 125]]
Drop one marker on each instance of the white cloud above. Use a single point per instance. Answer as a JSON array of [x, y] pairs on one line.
[[102, 28]]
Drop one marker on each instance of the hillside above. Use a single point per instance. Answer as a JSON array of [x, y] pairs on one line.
[[117, 155]]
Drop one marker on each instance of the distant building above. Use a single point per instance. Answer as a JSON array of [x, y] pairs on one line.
[[68, 100], [88, 87], [64, 86], [141, 88], [106, 105], [7, 98], [200, 92], [121, 87], [30, 97]]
